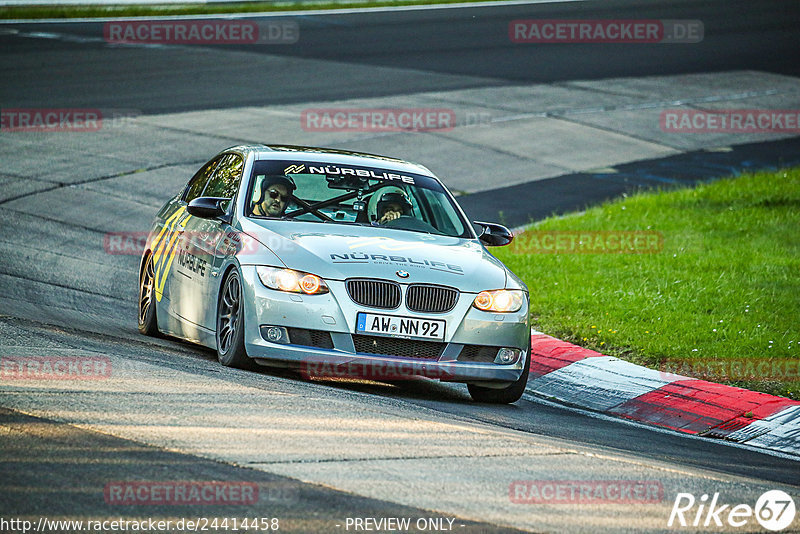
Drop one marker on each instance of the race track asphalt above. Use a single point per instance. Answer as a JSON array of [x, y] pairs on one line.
[[169, 412]]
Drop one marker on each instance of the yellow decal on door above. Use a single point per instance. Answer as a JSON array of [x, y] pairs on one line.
[[164, 248]]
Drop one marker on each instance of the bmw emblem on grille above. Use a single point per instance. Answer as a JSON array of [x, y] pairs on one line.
[[402, 274]]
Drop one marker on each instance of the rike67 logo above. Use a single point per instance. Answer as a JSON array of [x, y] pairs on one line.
[[774, 511]]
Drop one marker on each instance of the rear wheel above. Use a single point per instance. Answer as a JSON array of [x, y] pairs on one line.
[[506, 395], [230, 324], [148, 325]]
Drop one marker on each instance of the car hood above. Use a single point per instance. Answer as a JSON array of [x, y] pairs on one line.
[[337, 252]]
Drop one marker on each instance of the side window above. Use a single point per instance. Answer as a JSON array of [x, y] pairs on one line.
[[199, 181], [225, 181]]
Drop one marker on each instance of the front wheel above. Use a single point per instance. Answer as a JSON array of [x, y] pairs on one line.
[[230, 324], [148, 325], [506, 395]]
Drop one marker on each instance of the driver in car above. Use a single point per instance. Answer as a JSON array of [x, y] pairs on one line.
[[276, 190], [392, 206]]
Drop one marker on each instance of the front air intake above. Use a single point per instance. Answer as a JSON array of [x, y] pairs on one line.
[[374, 293]]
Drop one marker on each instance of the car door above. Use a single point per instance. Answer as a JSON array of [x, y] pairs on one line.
[[197, 263], [165, 245]]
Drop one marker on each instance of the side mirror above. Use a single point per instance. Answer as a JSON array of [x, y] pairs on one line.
[[207, 207], [494, 235]]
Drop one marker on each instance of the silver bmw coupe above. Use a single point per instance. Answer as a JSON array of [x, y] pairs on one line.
[[340, 264]]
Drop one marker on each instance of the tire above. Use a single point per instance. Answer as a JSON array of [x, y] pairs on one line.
[[230, 324], [506, 395], [148, 324]]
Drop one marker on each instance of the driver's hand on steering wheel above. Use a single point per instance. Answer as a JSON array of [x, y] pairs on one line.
[[390, 215]]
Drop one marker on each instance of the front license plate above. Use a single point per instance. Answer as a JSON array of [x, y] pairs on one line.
[[373, 323]]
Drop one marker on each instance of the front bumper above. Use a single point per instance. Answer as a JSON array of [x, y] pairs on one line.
[[334, 314]]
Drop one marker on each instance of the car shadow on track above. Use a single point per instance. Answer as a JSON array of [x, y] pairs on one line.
[[418, 390]]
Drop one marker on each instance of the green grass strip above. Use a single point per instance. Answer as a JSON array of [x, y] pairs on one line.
[[105, 11], [719, 300]]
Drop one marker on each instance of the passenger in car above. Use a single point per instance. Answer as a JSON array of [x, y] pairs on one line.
[[392, 206]]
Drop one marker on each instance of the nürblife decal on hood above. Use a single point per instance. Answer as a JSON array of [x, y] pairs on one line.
[[387, 259], [333, 170]]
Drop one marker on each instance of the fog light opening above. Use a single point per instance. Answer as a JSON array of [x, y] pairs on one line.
[[507, 356], [275, 334]]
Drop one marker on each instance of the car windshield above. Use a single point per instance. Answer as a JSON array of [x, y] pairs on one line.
[[353, 195]]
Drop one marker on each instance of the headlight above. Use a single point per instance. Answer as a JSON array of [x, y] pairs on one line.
[[292, 281], [500, 300]]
